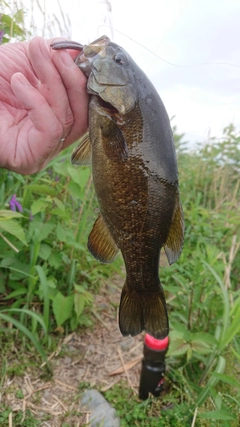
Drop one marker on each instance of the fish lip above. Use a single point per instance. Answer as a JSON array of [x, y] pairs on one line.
[[90, 53], [84, 63]]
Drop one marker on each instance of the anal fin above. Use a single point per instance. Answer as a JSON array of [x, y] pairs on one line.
[[101, 243]]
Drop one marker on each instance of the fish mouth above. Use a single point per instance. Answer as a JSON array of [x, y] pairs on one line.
[[88, 53], [107, 106]]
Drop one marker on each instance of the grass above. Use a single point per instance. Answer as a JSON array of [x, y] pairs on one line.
[[48, 279]]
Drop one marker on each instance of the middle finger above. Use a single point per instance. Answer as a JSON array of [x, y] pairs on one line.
[[51, 86]]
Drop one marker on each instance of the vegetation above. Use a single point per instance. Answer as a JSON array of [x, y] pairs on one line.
[[203, 363], [48, 278]]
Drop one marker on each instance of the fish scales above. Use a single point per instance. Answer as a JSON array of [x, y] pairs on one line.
[[130, 146]]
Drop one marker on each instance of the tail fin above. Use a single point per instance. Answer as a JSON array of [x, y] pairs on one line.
[[143, 311]]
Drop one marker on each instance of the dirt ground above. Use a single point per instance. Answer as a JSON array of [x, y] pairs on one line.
[[101, 357]]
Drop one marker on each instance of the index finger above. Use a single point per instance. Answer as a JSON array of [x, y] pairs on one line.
[[75, 83]]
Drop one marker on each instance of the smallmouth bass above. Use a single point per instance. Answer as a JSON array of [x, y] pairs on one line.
[[134, 168]]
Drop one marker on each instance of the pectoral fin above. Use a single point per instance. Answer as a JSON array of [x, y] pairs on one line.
[[82, 155], [174, 243], [100, 242], [113, 140]]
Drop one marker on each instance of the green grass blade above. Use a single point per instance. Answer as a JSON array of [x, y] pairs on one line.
[[26, 332], [36, 316], [232, 331], [226, 303], [44, 283]]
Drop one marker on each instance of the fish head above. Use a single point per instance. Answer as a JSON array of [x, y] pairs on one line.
[[110, 72]]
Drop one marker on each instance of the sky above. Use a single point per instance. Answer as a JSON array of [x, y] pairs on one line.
[[200, 37]]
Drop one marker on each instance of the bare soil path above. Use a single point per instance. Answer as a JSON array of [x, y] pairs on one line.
[[90, 357]]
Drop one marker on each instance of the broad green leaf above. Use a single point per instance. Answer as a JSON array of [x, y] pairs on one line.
[[178, 345], [42, 189], [59, 203], [11, 226], [200, 347], [8, 214], [55, 260], [38, 206], [204, 337], [45, 251], [227, 379], [75, 190], [41, 230], [79, 302], [61, 168], [61, 233], [61, 214], [62, 308], [218, 415], [75, 174]]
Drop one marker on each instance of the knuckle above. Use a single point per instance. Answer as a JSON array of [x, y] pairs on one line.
[[68, 120]]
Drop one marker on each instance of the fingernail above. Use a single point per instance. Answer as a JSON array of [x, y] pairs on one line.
[[45, 50], [21, 79], [67, 59]]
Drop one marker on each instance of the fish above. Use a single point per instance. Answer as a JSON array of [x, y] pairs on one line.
[[130, 147]]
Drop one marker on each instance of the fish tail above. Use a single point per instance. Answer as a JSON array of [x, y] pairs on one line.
[[143, 311]]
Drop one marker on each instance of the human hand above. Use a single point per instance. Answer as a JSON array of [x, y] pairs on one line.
[[43, 104]]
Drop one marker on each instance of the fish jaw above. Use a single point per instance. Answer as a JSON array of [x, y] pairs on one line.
[[90, 53]]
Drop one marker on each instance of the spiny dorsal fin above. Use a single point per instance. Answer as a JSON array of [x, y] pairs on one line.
[[174, 243], [100, 242], [82, 155]]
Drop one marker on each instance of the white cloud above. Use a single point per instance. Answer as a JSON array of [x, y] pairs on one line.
[[202, 97]]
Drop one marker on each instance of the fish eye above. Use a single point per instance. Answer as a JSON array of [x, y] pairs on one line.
[[120, 59]]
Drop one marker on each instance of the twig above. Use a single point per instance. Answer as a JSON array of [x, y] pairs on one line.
[[136, 346], [28, 385], [60, 402], [87, 417], [65, 385], [127, 366], [125, 370], [55, 353], [194, 417], [40, 408], [107, 387], [36, 390], [10, 419], [23, 410], [9, 243], [100, 319]]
